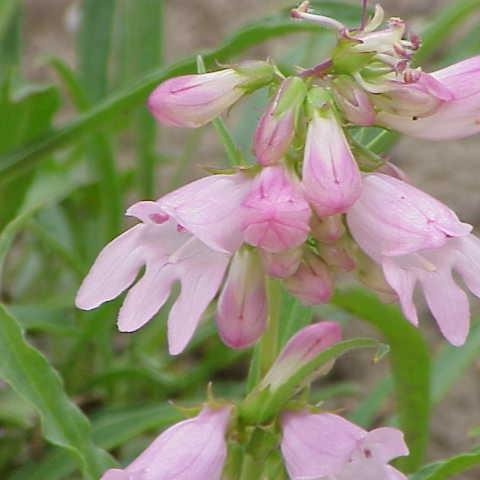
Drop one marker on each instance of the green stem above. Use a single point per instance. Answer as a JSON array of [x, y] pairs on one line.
[[269, 343]]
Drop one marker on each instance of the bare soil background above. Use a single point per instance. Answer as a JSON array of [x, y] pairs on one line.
[[448, 170]]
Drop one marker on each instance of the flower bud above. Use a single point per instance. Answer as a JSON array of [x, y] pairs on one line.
[[300, 349], [194, 100], [276, 215], [337, 257], [327, 229], [283, 264], [242, 306], [353, 101], [311, 283], [331, 178], [276, 128]]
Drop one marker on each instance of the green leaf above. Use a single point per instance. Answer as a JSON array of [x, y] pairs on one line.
[[410, 365], [444, 469], [116, 105], [110, 429], [30, 374]]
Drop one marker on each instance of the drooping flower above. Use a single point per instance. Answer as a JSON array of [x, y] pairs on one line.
[[276, 215], [169, 254], [458, 117], [194, 100], [194, 449], [276, 128], [325, 446], [331, 178], [242, 306], [187, 236], [415, 238], [311, 283]]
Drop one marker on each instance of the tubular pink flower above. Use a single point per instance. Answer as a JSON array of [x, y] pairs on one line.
[[194, 100], [331, 178], [276, 215], [194, 449], [276, 128], [456, 118], [210, 209], [242, 306], [300, 349], [418, 240], [311, 283], [326, 446], [169, 254], [283, 264]]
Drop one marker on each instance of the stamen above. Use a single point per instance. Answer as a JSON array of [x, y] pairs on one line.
[[301, 13], [376, 20]]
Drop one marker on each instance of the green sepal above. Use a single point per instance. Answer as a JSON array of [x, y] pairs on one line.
[[346, 60]]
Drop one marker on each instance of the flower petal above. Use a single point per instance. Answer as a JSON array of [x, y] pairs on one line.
[[403, 282], [209, 208], [114, 270], [448, 304], [201, 271], [468, 262], [386, 444]]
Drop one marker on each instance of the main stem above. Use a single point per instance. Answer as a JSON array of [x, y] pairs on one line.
[[269, 343]]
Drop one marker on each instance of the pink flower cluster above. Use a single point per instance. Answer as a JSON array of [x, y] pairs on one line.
[[314, 445]]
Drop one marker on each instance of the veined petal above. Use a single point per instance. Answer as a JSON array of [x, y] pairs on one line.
[[209, 208], [114, 270], [194, 449], [331, 178], [317, 445], [448, 304], [146, 297], [403, 282], [201, 271], [467, 261], [242, 306]]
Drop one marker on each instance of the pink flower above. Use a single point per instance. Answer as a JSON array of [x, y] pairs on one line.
[[457, 118], [330, 178], [194, 100], [242, 306], [170, 254], [326, 446], [311, 283], [300, 349], [210, 209], [276, 214], [415, 238], [276, 128], [283, 264], [194, 449]]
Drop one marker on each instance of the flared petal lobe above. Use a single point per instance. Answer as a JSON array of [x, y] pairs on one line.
[[331, 178], [242, 306], [276, 215], [194, 100], [194, 449]]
